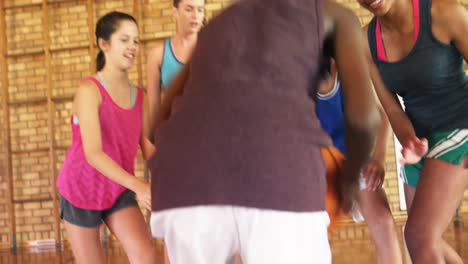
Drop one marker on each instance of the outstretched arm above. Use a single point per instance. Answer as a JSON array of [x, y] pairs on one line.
[[361, 115]]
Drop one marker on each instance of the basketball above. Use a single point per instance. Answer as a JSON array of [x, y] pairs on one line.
[[334, 160]]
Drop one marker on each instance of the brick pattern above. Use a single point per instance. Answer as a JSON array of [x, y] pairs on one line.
[[70, 61], [24, 30], [28, 127], [12, 3], [68, 25], [68, 67], [63, 134], [27, 77], [34, 221], [31, 174], [391, 180], [156, 19]]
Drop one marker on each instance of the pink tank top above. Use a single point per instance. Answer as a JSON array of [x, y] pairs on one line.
[[81, 184], [381, 54]]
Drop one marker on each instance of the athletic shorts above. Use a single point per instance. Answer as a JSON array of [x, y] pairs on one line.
[[94, 218], [451, 146]]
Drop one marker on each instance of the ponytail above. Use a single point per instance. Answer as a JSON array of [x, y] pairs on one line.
[[100, 60]]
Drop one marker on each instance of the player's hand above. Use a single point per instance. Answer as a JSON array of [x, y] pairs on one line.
[[374, 174], [414, 150]]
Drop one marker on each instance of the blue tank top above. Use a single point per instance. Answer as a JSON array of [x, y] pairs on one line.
[[170, 65], [330, 111], [431, 79]]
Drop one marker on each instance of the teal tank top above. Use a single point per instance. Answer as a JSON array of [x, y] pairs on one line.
[[170, 65]]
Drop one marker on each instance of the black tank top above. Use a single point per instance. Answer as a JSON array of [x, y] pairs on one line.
[[431, 79]]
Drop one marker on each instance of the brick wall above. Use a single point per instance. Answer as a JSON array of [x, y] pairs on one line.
[[71, 60]]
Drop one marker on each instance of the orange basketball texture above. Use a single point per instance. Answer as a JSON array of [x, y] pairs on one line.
[[334, 160]]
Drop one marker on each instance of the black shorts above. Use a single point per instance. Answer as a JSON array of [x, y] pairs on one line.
[[94, 218]]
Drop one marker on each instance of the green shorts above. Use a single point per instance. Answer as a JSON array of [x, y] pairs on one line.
[[451, 146]]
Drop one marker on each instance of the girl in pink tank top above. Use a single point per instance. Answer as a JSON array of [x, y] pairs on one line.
[[97, 182]]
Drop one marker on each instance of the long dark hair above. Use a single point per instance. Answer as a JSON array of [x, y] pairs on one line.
[[105, 27]]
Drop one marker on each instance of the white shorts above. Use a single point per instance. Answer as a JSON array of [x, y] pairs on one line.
[[216, 234]]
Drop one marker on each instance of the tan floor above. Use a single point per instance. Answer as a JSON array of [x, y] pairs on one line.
[[350, 251], [350, 244]]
